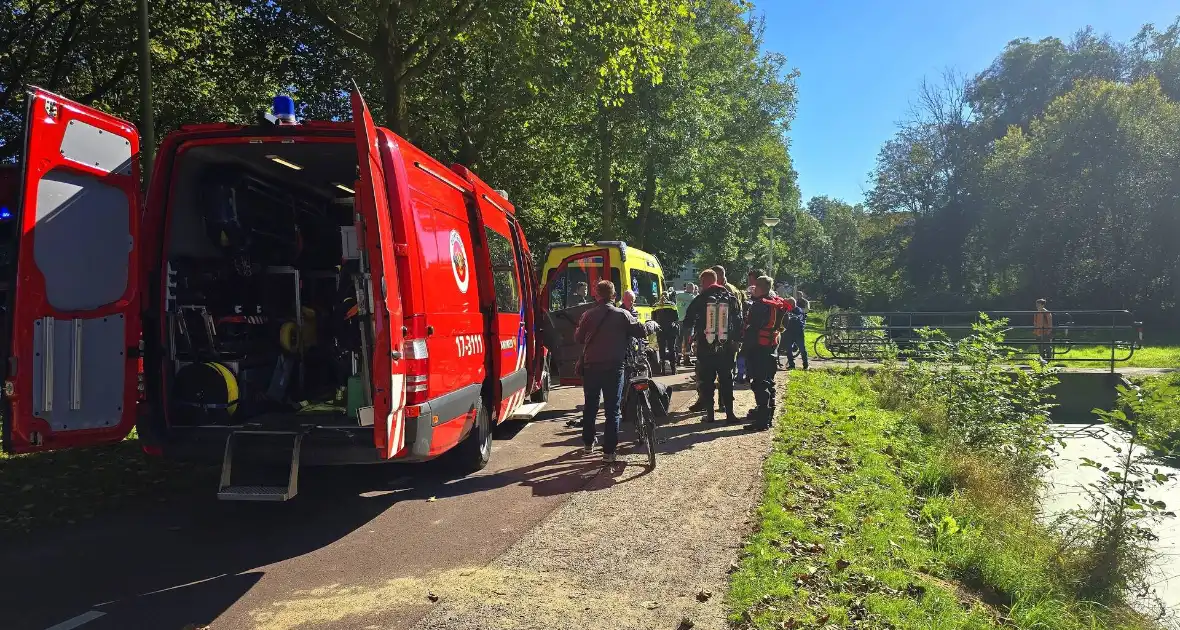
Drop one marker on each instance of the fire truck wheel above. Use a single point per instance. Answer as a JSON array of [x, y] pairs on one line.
[[473, 453]]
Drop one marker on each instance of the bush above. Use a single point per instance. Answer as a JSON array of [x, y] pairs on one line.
[[970, 396]]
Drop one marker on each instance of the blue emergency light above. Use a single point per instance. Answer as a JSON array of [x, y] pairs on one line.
[[5, 213], [284, 109]]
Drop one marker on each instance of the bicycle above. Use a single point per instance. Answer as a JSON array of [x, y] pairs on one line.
[[638, 396]]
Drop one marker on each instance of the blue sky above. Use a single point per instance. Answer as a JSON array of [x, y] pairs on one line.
[[862, 62]]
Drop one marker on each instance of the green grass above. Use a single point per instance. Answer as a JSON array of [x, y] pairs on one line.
[[42, 490], [866, 522], [1165, 355], [1161, 356]]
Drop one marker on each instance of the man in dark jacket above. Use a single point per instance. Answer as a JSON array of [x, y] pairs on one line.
[[715, 355], [763, 328], [606, 331], [795, 337]]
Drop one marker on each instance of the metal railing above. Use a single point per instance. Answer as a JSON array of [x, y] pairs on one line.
[[875, 335]]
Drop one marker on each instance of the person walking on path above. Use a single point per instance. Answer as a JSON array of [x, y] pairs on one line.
[[764, 326], [606, 332], [714, 320], [793, 345], [683, 299], [1043, 330], [794, 336]]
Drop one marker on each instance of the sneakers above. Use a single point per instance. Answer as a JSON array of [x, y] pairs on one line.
[[574, 423], [589, 448], [709, 418], [608, 458], [699, 405], [757, 426], [731, 419]]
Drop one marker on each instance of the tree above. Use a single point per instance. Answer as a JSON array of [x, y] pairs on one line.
[[212, 61], [400, 38], [1050, 173]]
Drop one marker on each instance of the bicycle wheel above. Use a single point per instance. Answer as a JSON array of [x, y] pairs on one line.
[[821, 342], [648, 424], [633, 414]]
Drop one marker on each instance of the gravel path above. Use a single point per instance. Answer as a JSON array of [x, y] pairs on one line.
[[634, 549]]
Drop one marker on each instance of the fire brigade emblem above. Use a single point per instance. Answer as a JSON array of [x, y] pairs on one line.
[[459, 262]]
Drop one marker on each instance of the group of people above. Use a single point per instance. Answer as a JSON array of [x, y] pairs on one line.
[[719, 323], [746, 336]]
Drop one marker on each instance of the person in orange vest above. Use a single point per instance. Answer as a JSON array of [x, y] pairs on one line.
[[1043, 330], [764, 326]]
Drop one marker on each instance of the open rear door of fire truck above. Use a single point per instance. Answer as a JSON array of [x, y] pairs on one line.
[[73, 319], [566, 306], [375, 204]]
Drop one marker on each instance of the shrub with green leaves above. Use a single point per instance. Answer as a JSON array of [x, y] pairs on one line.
[[970, 392]]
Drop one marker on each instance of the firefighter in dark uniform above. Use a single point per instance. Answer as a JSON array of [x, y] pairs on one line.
[[666, 316], [716, 347], [764, 325]]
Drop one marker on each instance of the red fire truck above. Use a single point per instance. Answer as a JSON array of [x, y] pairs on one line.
[[315, 292]]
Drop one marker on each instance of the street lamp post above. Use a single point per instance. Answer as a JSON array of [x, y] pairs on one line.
[[770, 222]]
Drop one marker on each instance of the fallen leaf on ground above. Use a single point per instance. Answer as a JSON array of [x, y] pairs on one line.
[[704, 596]]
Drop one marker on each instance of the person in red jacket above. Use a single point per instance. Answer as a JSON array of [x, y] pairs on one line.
[[764, 325]]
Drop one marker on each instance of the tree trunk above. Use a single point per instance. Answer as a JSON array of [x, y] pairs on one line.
[[605, 183], [648, 200], [396, 108], [391, 62]]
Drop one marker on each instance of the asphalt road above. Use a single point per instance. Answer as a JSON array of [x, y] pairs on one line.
[[194, 561]]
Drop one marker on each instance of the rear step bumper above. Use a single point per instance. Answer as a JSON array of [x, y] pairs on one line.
[[321, 446], [266, 483]]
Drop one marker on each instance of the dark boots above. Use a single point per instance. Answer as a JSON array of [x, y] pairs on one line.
[[759, 419]]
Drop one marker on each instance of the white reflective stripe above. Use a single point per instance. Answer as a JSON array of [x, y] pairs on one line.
[[710, 322], [399, 434], [395, 438], [84, 618], [723, 321]]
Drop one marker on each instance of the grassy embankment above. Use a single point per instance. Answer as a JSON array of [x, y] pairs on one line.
[[42, 490], [1163, 352], [871, 521]]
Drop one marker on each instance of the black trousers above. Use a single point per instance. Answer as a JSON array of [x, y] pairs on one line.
[[669, 338], [715, 369], [760, 368]]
